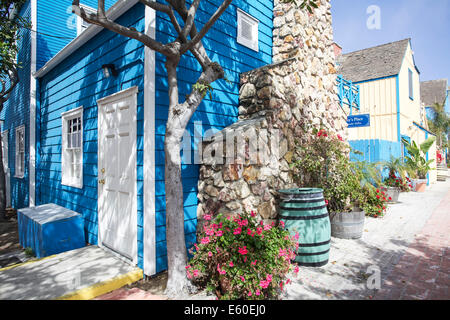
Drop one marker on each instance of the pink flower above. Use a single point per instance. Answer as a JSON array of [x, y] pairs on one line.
[[339, 137], [243, 250], [267, 228], [282, 252], [237, 231], [243, 223], [297, 236], [187, 267], [253, 214], [242, 278], [219, 233], [205, 240], [249, 294], [196, 273], [297, 269], [231, 264], [258, 292], [264, 284], [210, 254], [254, 263], [207, 217], [259, 230], [282, 224]]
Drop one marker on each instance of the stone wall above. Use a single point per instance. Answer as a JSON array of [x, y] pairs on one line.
[[279, 104]]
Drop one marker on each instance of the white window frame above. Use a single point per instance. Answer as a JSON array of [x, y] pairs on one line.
[[243, 16], [17, 166], [66, 178], [81, 24]]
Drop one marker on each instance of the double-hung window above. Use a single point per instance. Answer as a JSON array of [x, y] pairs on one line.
[[20, 152], [72, 148]]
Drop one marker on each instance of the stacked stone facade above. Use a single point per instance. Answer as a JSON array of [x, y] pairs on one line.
[[279, 105]]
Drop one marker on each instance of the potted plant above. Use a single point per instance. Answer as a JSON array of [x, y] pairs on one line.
[[397, 181], [323, 162], [417, 164]]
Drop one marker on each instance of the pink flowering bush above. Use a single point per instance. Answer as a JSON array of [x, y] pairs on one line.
[[239, 258]]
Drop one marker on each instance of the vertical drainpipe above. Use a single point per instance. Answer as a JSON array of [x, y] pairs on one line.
[[399, 136]]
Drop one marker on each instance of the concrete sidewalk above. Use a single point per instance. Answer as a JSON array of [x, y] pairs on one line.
[[78, 274], [384, 243]]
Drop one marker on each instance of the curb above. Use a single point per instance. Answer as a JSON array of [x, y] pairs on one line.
[[104, 287], [26, 262]]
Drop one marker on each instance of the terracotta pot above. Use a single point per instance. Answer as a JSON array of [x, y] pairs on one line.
[[420, 185]]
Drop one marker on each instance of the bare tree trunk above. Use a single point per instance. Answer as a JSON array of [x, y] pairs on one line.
[[176, 247]]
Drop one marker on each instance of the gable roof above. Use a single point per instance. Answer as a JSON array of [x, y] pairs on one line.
[[373, 63], [433, 91]]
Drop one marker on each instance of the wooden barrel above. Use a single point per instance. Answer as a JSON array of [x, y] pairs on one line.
[[304, 211], [348, 225]]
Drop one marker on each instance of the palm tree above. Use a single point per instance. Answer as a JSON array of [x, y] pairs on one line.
[[440, 124], [394, 166]]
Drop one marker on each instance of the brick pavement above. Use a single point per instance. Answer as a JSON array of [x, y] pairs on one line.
[[424, 270], [408, 246]]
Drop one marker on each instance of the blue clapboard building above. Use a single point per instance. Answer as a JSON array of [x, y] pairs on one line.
[[85, 127]]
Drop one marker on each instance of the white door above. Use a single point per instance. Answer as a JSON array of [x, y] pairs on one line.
[[117, 189], [5, 153]]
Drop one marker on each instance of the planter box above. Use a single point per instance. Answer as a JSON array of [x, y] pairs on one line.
[[50, 229], [392, 192], [347, 225]]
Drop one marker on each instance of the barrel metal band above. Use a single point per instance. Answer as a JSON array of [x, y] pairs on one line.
[[306, 201], [308, 245], [312, 254], [304, 209], [304, 217]]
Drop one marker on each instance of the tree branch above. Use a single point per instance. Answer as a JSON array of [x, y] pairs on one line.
[[206, 27], [100, 19], [189, 21]]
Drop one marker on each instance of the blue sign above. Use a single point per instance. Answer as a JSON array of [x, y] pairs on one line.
[[358, 121]]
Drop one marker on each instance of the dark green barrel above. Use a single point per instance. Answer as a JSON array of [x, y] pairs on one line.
[[304, 211]]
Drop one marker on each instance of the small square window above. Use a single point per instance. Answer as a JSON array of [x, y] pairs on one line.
[[72, 148], [20, 152], [247, 30], [81, 24], [411, 84]]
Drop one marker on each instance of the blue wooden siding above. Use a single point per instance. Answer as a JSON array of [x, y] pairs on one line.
[[56, 26], [375, 150], [16, 113], [79, 81], [217, 112]]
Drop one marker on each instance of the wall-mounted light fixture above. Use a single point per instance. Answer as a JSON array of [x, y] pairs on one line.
[[108, 70]]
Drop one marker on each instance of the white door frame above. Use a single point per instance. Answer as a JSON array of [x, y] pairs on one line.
[[119, 96], [5, 146]]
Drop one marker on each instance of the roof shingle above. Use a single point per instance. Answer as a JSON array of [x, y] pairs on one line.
[[433, 91], [373, 63]]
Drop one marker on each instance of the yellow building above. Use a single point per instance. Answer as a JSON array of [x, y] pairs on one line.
[[389, 87]]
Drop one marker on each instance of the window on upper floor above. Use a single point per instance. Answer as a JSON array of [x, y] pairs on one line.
[[72, 148], [247, 30], [411, 85], [81, 24], [20, 152]]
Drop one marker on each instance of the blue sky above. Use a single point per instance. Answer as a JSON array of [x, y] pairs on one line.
[[426, 22]]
